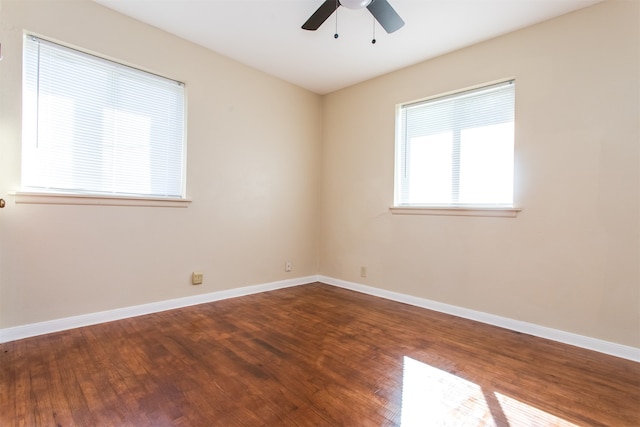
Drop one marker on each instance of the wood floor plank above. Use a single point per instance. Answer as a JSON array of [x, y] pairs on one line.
[[312, 355]]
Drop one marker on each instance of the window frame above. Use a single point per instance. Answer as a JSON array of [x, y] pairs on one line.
[[482, 210], [43, 195]]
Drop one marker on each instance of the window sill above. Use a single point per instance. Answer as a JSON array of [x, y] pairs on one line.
[[504, 212], [91, 199]]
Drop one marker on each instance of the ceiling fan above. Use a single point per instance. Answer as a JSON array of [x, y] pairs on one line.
[[380, 9]]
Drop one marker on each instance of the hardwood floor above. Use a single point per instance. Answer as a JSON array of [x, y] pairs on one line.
[[312, 355]]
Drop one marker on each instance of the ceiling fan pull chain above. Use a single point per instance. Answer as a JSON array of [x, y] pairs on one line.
[[335, 36], [373, 40]]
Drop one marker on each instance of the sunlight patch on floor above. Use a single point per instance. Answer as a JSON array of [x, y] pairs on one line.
[[433, 397], [521, 414]]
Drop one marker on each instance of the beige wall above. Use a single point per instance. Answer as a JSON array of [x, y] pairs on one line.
[[253, 175], [570, 260]]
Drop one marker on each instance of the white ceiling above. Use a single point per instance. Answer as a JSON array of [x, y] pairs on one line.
[[266, 34]]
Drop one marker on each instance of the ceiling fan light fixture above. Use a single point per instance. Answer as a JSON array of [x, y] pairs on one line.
[[355, 4]]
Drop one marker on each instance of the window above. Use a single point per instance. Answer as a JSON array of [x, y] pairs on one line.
[[96, 127], [456, 151]]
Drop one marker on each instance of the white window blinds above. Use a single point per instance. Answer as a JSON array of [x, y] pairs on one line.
[[457, 150], [93, 126]]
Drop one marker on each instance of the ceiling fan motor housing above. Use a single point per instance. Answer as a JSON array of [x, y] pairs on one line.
[[355, 4]]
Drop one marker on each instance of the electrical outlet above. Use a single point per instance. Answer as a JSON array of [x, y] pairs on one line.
[[363, 271], [287, 266], [197, 278]]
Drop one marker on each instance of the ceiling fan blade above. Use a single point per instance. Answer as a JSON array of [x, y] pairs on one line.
[[385, 15], [324, 11]]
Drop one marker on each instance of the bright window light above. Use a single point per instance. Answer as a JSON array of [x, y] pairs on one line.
[[457, 150], [93, 126]]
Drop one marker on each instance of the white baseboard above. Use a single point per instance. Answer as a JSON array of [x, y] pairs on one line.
[[618, 350], [41, 328], [34, 329]]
